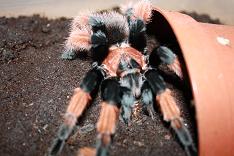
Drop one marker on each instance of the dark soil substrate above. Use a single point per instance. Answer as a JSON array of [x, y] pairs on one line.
[[36, 85]]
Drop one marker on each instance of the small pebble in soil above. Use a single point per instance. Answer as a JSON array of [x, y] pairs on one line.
[[46, 29], [45, 127], [167, 137], [31, 104], [138, 143], [50, 101]]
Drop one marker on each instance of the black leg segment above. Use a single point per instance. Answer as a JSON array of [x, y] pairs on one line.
[[110, 91], [137, 37], [162, 55], [147, 99], [155, 81], [92, 80], [127, 101]]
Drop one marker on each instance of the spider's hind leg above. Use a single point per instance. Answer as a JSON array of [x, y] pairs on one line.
[[78, 103], [170, 110], [110, 93], [164, 55]]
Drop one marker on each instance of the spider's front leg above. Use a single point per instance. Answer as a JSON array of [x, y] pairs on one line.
[[78, 103], [165, 55], [170, 110]]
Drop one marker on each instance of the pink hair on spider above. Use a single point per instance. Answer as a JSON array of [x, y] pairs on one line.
[[80, 21], [143, 10], [124, 7], [79, 39]]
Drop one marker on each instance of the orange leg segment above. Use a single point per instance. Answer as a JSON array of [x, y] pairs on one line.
[[106, 127], [79, 102], [176, 67], [76, 107], [171, 113]]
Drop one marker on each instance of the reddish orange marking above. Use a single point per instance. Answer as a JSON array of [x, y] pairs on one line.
[[108, 118], [113, 59], [79, 102], [86, 151], [176, 67], [168, 106]]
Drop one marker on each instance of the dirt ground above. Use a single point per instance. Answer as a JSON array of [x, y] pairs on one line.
[[36, 85]]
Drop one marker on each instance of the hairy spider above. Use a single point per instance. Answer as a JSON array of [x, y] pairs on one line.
[[124, 68]]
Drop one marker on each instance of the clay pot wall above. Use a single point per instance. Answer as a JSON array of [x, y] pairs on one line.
[[208, 52]]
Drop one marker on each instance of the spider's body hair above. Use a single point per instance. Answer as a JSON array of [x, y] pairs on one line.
[[80, 34], [115, 26], [79, 39], [80, 21], [141, 10], [126, 9], [152, 43], [137, 36], [96, 32], [99, 38]]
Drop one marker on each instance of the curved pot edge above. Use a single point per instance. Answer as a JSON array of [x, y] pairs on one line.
[[211, 70]]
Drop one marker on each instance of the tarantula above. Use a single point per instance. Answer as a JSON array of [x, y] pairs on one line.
[[124, 69]]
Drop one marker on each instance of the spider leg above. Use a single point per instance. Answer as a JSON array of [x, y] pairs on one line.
[[147, 99], [78, 103], [79, 38], [127, 101], [140, 10], [165, 55], [170, 110], [106, 125]]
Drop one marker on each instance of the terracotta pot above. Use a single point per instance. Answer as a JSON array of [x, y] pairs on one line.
[[208, 52]]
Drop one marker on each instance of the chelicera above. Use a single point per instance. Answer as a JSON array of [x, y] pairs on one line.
[[124, 70]]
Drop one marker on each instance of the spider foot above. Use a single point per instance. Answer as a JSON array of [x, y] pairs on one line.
[[126, 115], [69, 55], [56, 148], [103, 144], [184, 136], [63, 133], [150, 110]]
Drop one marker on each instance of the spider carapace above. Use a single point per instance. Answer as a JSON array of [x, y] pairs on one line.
[[123, 59], [124, 68]]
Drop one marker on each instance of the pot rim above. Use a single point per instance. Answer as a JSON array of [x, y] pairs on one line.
[[210, 68]]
